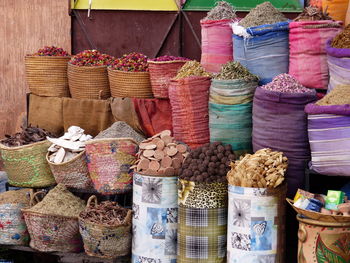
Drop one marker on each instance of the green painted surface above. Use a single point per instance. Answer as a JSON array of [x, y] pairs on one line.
[[245, 5]]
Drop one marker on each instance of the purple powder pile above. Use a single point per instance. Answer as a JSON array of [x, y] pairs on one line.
[[287, 84]]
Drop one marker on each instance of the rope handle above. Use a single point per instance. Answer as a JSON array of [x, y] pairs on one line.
[[34, 199], [92, 199]]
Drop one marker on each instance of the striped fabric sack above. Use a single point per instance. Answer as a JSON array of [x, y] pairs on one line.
[[329, 135], [216, 44], [307, 43], [339, 66], [189, 102]]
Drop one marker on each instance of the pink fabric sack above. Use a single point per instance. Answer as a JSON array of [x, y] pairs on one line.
[[217, 46], [308, 58]]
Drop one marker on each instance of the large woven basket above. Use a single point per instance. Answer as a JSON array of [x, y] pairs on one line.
[[47, 75], [161, 72], [87, 82], [26, 165], [106, 241], [130, 84], [14, 229], [74, 173], [109, 162], [49, 233]]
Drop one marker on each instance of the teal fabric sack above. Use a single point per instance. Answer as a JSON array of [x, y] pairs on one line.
[[231, 124]]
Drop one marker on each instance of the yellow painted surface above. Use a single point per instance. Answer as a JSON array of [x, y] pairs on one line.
[[153, 5]]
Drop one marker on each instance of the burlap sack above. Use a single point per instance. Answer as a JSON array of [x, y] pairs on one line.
[[123, 110], [91, 115], [46, 113]]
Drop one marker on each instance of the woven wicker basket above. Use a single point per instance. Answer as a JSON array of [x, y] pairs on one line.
[[47, 76], [26, 165], [161, 72], [88, 82], [74, 173], [130, 84], [106, 241], [109, 162], [49, 233]]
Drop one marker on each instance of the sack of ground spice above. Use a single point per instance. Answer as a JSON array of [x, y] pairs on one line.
[[192, 68], [53, 222], [263, 50], [120, 129], [328, 129], [230, 107], [189, 103], [338, 54], [340, 95], [307, 56], [216, 36], [280, 123]]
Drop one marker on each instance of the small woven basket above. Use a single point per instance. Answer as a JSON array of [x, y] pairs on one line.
[[106, 241], [74, 173], [88, 82], [161, 72], [49, 233], [109, 162], [130, 84], [14, 231], [26, 165], [47, 75]]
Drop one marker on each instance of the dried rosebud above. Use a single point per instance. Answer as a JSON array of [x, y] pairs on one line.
[[51, 51]]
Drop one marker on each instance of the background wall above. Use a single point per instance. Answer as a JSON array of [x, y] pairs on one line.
[[25, 27]]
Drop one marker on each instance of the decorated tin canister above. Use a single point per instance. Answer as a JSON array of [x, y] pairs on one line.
[[323, 242], [202, 222], [256, 224], [155, 212]]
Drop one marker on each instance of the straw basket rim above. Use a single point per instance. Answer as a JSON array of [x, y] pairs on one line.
[[127, 72], [4, 147], [92, 141], [27, 211], [322, 223], [68, 162], [89, 67], [155, 175], [49, 57], [167, 62]]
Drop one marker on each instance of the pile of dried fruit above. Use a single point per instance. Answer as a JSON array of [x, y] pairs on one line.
[[234, 70], [68, 146], [161, 155], [169, 58], [208, 163], [107, 213], [120, 129], [262, 14], [264, 169], [135, 62], [222, 10], [51, 51], [59, 201], [340, 95], [91, 58], [15, 197], [342, 40], [312, 13], [192, 68], [287, 84], [26, 136]]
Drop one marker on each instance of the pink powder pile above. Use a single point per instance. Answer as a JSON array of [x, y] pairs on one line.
[[287, 84]]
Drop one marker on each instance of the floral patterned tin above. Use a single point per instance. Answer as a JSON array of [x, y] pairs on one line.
[[256, 224], [155, 212]]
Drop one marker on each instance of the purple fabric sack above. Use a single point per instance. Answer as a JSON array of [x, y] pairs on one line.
[[329, 134], [339, 66], [280, 123]]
